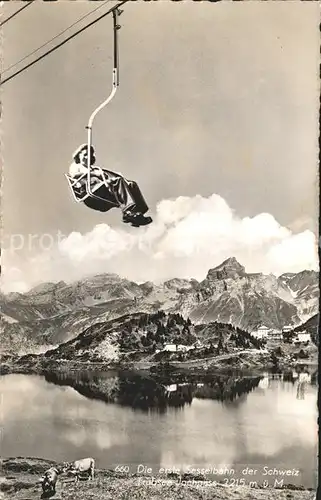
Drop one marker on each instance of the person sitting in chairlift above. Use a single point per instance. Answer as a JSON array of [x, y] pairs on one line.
[[122, 192]]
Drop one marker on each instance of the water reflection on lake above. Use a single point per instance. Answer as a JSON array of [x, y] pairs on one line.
[[125, 418]]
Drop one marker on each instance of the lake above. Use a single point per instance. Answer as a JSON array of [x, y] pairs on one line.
[[218, 422]]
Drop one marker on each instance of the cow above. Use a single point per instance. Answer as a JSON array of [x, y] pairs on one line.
[[79, 467], [49, 479]]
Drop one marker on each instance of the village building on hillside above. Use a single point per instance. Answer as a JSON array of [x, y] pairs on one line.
[[261, 332], [170, 347], [178, 347], [297, 337], [302, 337], [274, 334]]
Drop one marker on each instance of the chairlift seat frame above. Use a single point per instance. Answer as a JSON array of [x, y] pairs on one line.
[[93, 199]]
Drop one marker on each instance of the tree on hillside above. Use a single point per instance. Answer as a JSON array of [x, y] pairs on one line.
[[274, 360], [302, 354], [169, 322], [129, 328], [220, 346], [278, 352], [160, 329], [150, 337], [144, 341], [233, 337], [186, 330], [142, 321], [211, 347]]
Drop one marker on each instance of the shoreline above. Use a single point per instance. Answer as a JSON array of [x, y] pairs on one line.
[[251, 363]]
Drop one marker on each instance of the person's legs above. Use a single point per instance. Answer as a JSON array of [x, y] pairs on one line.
[[131, 201], [136, 194], [122, 194]]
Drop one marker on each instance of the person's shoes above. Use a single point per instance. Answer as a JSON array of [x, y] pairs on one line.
[[136, 219], [142, 221], [128, 217]]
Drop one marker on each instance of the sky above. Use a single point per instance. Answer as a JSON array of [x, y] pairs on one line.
[[216, 118]]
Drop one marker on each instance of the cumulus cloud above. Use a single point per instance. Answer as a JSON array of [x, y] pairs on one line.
[[189, 235]]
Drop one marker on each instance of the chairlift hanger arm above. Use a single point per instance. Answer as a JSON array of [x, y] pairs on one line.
[[115, 83], [116, 27]]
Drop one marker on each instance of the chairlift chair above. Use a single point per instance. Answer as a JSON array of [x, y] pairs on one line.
[[98, 196]]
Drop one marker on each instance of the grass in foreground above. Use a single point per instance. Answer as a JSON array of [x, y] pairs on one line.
[[20, 476]]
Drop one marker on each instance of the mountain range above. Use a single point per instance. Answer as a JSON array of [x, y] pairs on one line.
[[52, 313]]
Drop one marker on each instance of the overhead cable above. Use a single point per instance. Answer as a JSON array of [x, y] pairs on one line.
[[62, 43], [55, 37], [16, 13]]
